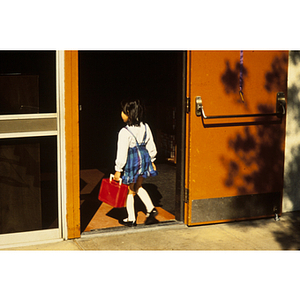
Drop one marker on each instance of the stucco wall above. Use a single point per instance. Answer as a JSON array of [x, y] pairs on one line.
[[291, 191]]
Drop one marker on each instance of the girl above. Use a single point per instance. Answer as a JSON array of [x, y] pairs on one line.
[[136, 153]]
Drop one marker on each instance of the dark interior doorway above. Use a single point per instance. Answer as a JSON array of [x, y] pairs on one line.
[[105, 78]]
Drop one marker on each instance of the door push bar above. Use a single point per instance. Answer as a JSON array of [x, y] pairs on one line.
[[280, 110]]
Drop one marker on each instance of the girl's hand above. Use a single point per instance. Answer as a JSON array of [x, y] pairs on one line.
[[154, 166], [117, 176]]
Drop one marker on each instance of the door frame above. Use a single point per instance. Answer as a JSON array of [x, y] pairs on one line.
[[181, 108]]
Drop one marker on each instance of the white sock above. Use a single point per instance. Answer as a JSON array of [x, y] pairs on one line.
[[130, 207], [142, 193]]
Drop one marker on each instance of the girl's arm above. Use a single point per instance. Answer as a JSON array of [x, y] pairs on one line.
[[122, 151], [150, 146], [154, 166]]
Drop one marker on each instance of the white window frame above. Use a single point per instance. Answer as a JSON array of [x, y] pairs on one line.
[[9, 240]]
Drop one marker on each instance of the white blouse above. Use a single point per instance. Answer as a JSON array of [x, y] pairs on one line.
[[126, 140]]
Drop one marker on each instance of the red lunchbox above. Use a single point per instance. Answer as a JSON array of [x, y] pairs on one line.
[[112, 192]]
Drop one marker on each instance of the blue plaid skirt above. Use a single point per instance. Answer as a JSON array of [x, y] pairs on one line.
[[138, 164]]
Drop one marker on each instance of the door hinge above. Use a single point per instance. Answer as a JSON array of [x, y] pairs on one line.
[[186, 195], [188, 105]]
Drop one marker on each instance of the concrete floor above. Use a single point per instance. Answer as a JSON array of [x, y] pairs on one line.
[[262, 234]]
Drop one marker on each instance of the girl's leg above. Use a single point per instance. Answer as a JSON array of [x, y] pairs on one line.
[[144, 196], [130, 203]]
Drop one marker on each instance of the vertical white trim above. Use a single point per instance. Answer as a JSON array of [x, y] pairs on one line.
[[291, 189], [61, 147]]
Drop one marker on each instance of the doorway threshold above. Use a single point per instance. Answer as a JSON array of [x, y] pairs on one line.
[[140, 227]]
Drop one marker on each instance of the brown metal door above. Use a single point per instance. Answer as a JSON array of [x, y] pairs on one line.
[[235, 144]]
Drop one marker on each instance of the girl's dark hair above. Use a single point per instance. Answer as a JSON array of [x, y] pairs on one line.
[[134, 110]]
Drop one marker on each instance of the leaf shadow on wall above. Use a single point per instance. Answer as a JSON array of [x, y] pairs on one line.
[[290, 238], [231, 80], [258, 160], [292, 169], [252, 170]]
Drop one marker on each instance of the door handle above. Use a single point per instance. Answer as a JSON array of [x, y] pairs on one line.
[[280, 109], [199, 107]]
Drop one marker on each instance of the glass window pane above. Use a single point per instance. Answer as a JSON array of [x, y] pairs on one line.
[[27, 82], [28, 184]]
